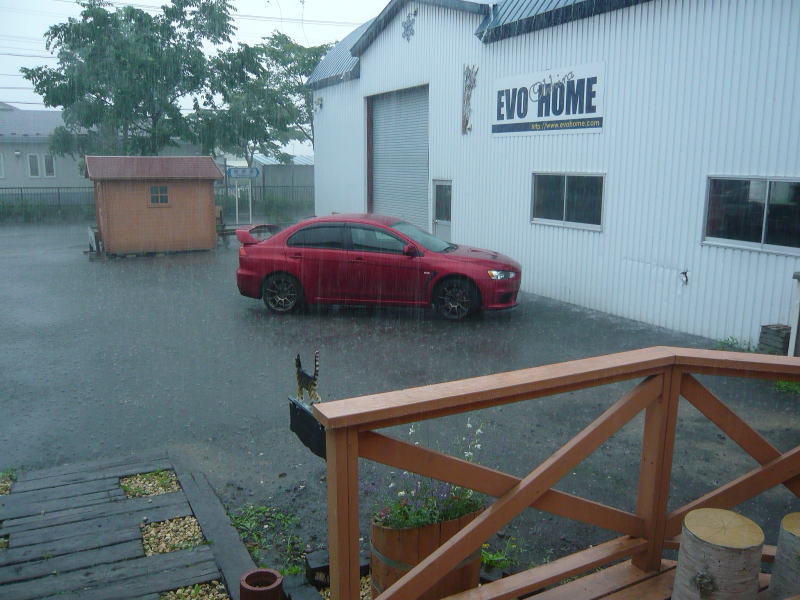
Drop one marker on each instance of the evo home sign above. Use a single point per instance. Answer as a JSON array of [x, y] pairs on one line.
[[564, 100]]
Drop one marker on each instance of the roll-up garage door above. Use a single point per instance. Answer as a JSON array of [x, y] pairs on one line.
[[399, 155]]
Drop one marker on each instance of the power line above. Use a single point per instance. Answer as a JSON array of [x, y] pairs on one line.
[[11, 75], [180, 108], [5, 87], [28, 55], [244, 17]]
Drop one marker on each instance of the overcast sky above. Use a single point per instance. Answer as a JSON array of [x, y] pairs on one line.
[[308, 22]]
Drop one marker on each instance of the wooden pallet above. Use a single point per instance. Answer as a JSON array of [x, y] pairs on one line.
[[624, 581], [74, 535]]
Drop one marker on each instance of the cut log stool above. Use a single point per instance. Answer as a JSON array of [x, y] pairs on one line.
[[785, 582], [719, 557]]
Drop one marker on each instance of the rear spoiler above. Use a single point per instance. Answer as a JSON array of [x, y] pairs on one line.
[[256, 233]]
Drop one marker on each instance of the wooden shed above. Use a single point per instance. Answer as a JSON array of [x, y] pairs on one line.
[[154, 203]]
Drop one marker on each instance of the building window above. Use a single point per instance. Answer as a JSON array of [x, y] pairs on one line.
[[158, 195], [567, 198], [33, 165], [758, 212], [49, 166]]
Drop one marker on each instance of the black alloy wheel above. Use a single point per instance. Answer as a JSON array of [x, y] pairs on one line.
[[282, 293], [456, 299]]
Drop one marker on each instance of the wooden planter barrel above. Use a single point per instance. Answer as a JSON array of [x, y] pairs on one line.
[[396, 551]]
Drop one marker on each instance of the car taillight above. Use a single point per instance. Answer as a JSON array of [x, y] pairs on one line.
[[242, 251]]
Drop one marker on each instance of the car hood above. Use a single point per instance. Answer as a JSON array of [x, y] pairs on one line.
[[489, 258]]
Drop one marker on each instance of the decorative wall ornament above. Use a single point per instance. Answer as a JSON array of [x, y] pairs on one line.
[[470, 81], [408, 25]]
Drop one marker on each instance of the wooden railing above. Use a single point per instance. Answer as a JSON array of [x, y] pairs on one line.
[[666, 375]]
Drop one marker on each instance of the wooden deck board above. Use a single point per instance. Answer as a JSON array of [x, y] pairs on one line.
[[71, 562], [96, 525], [81, 477], [93, 465], [601, 583], [77, 543], [110, 507], [100, 576], [23, 510], [16, 499], [74, 535]]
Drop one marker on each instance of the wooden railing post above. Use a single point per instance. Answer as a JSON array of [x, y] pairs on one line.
[[342, 457], [656, 467]]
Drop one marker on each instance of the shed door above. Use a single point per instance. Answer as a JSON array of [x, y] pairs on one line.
[[399, 155]]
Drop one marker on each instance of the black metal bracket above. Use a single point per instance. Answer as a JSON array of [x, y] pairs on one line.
[[306, 427]]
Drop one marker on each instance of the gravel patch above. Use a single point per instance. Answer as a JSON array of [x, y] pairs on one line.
[[214, 590], [6, 480], [172, 535], [366, 592], [150, 484]]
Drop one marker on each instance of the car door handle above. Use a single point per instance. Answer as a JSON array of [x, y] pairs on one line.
[[359, 259], [295, 255]]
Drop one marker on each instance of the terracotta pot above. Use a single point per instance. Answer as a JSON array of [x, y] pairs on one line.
[[261, 584], [396, 551]]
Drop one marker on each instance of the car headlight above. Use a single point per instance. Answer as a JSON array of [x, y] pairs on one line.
[[502, 274]]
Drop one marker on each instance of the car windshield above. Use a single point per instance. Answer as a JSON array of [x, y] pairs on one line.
[[423, 238]]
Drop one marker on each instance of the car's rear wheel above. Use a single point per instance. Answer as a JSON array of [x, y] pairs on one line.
[[282, 293], [456, 299]]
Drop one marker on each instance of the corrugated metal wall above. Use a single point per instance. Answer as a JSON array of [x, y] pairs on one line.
[[694, 88]]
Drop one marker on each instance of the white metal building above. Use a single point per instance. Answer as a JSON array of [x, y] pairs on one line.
[[639, 157]]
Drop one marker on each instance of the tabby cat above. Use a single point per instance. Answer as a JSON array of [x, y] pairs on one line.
[[306, 382]]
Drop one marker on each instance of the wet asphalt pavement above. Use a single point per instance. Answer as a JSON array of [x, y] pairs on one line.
[[123, 356]]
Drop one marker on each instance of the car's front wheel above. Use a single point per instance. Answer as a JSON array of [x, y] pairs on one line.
[[282, 293], [456, 299]]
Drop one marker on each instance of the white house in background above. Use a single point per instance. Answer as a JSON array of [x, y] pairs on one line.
[[639, 157], [25, 160]]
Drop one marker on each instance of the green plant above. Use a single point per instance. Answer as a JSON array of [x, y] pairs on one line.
[[414, 501], [733, 344], [791, 387], [500, 558], [270, 536], [7, 477], [3, 542]]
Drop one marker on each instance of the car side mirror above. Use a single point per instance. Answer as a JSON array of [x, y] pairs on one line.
[[410, 250]]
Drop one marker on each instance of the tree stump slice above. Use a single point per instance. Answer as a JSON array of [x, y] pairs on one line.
[[719, 557], [785, 582]]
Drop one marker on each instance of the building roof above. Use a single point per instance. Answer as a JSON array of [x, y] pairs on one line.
[[339, 64], [516, 17], [505, 19], [379, 23], [151, 167], [17, 124], [296, 160]]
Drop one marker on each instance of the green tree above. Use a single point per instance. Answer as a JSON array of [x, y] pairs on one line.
[[291, 65], [121, 74], [243, 111], [257, 100]]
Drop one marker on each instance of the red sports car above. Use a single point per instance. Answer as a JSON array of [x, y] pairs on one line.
[[372, 259]]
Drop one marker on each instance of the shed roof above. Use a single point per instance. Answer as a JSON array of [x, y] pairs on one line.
[[151, 167]]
